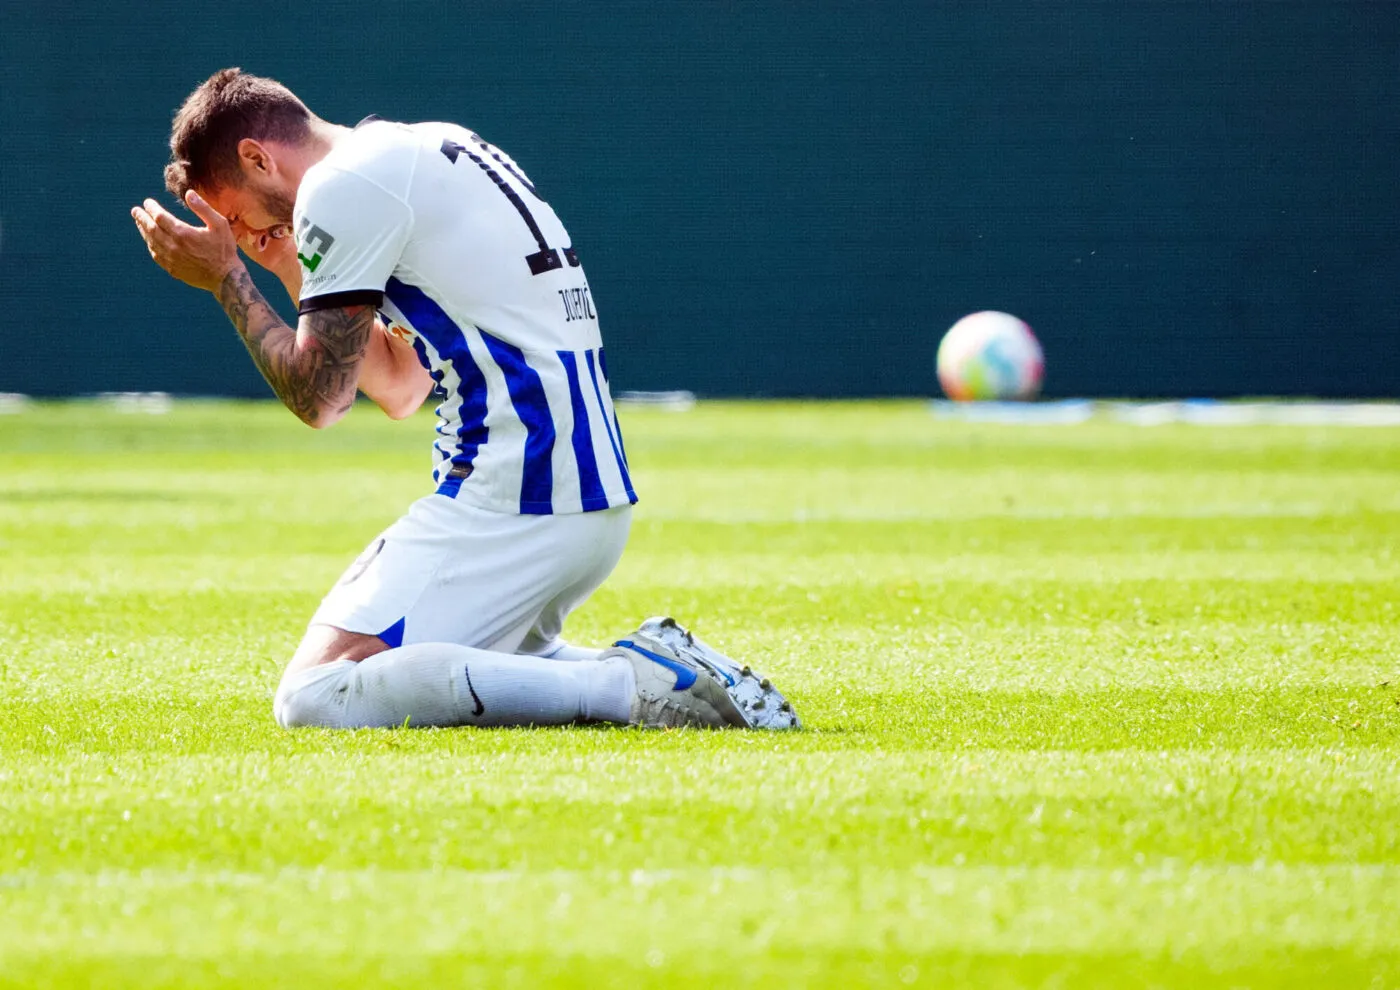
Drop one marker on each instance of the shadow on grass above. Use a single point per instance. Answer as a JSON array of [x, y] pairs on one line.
[[1136, 718], [739, 964]]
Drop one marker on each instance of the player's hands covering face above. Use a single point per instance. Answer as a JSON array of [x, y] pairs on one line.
[[199, 256]]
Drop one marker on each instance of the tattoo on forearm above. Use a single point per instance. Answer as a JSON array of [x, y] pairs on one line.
[[311, 379]]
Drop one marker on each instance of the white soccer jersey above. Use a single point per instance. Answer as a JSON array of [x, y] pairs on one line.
[[446, 236]]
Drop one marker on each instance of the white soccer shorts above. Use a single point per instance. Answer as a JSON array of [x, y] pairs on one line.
[[450, 572]]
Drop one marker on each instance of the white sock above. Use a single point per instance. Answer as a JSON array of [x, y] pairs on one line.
[[445, 684], [566, 651]]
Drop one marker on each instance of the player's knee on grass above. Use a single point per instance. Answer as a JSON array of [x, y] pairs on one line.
[[314, 685], [313, 696]]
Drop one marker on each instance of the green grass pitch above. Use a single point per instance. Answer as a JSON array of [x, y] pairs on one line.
[[1088, 706]]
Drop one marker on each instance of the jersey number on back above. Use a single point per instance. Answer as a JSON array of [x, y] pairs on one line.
[[546, 259]]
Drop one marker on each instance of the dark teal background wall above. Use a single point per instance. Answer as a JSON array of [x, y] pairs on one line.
[[1182, 196]]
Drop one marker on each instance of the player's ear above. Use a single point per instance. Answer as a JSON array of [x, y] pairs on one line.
[[254, 157]]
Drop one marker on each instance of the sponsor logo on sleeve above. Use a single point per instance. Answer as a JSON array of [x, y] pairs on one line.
[[315, 242]]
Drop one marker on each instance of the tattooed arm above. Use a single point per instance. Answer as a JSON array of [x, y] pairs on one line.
[[314, 369], [390, 373]]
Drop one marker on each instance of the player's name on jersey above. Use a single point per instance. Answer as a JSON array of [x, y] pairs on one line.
[[578, 305]]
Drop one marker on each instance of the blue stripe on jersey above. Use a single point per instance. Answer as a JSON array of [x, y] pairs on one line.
[[437, 328], [437, 376], [589, 484], [614, 439], [528, 397], [603, 367]]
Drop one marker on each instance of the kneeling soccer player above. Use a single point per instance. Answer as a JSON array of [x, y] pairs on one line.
[[421, 257]]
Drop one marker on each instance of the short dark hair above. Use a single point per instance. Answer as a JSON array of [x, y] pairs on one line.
[[226, 108]]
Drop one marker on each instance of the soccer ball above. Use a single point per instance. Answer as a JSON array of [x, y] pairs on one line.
[[990, 356]]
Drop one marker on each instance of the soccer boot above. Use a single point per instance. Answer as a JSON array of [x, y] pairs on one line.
[[760, 703], [672, 690]]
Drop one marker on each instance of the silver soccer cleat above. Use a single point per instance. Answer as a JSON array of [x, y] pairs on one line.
[[757, 700], [674, 691]]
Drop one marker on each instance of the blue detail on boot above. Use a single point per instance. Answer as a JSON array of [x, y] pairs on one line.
[[685, 677]]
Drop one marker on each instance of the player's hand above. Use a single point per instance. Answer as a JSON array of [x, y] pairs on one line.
[[198, 256]]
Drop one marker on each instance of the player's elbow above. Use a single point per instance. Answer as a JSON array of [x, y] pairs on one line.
[[401, 400], [401, 408]]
